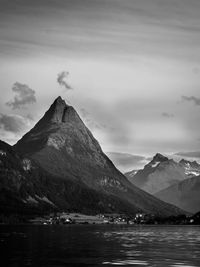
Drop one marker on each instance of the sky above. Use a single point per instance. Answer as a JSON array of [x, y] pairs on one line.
[[130, 68]]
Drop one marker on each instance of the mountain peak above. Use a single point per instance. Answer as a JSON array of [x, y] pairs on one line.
[[59, 112], [59, 100], [159, 157], [59, 121]]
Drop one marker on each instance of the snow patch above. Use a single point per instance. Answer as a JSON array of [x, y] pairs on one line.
[[188, 165], [195, 173], [32, 200], [131, 174], [45, 199], [155, 164], [3, 153]]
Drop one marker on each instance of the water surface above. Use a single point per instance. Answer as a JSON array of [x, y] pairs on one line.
[[100, 245]]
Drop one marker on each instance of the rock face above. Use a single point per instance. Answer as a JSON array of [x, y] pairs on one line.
[[185, 194], [63, 147]]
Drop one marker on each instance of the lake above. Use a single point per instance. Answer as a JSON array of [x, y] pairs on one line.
[[100, 245]]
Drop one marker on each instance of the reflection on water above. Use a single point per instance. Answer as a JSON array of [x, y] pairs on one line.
[[82, 245], [126, 262], [157, 246]]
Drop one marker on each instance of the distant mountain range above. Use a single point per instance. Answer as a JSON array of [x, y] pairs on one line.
[[167, 180], [58, 165]]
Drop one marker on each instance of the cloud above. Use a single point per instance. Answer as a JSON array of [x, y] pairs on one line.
[[194, 99], [126, 162], [61, 79], [89, 121], [24, 95], [30, 117], [167, 115], [13, 123], [113, 124], [12, 127], [191, 154]]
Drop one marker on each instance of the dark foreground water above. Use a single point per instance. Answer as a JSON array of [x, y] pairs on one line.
[[92, 245]]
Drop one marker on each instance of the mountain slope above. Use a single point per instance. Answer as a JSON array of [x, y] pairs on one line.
[[63, 146], [185, 194], [27, 189]]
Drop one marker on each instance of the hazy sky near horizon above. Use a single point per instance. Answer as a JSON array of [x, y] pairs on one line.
[[131, 68]]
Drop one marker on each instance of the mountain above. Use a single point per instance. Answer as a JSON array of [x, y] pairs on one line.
[[26, 189], [192, 168], [158, 174], [65, 150], [184, 194]]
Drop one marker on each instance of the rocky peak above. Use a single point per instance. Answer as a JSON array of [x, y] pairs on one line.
[[58, 113], [57, 110], [159, 157], [59, 100]]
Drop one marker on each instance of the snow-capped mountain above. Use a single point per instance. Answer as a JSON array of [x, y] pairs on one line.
[[162, 172]]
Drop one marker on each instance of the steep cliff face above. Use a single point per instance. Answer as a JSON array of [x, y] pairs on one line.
[[63, 146], [185, 194]]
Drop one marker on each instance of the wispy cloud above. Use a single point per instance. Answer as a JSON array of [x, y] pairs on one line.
[[126, 162], [24, 95], [62, 80], [93, 23], [191, 154], [193, 99]]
